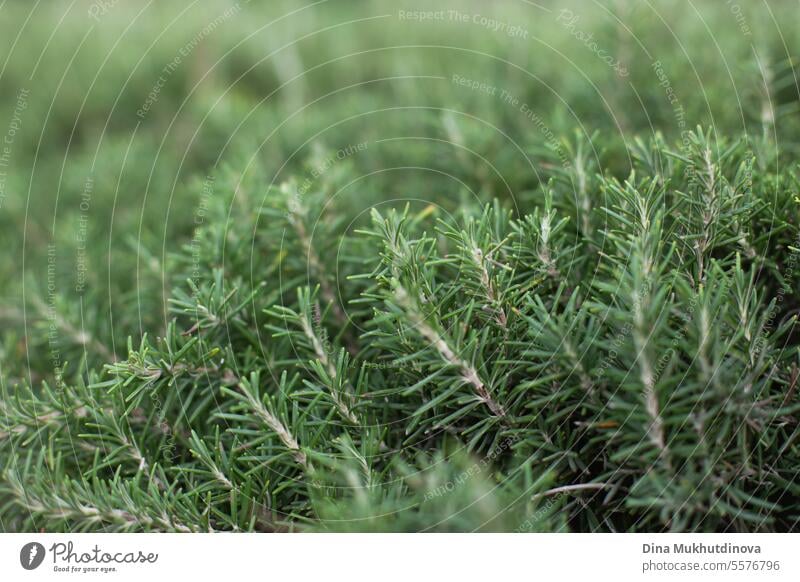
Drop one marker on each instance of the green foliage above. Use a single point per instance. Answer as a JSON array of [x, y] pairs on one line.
[[379, 300], [647, 367]]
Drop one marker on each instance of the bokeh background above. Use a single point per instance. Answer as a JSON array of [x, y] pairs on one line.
[[113, 114]]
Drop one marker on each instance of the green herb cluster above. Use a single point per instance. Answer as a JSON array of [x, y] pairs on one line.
[[454, 312]]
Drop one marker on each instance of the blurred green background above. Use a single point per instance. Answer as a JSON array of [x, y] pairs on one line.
[[113, 114]]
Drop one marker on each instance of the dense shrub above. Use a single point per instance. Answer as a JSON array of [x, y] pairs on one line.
[[313, 291]]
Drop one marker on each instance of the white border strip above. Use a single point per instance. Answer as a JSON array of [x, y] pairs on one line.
[[401, 557]]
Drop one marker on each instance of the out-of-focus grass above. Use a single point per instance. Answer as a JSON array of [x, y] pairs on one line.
[[107, 188]]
